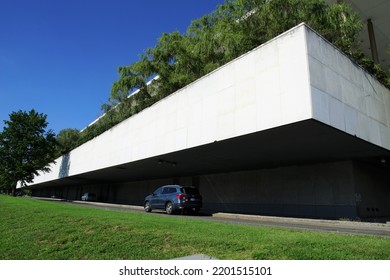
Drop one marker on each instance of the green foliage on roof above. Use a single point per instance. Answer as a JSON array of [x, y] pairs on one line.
[[233, 29]]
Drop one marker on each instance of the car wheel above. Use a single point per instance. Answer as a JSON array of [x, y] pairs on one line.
[[169, 208], [147, 207]]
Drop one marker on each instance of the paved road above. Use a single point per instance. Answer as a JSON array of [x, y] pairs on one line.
[[320, 225], [345, 227]]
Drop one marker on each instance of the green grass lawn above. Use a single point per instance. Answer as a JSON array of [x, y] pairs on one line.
[[34, 229]]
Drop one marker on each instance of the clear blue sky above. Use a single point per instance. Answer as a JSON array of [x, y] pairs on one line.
[[60, 57]]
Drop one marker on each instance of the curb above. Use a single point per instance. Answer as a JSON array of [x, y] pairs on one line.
[[304, 221], [102, 204]]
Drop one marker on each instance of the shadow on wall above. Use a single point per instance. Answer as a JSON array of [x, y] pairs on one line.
[[65, 166]]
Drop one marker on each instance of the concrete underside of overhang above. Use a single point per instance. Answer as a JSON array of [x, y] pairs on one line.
[[303, 142]]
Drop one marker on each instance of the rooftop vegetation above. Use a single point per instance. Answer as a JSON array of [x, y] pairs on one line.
[[233, 29]]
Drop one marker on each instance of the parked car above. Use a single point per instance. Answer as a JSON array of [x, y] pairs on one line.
[[89, 197], [172, 198]]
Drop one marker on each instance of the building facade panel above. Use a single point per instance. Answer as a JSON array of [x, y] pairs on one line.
[[345, 96]]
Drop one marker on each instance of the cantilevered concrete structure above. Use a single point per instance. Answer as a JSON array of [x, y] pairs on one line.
[[292, 128]]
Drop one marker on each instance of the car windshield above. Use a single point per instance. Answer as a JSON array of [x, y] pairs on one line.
[[190, 190]]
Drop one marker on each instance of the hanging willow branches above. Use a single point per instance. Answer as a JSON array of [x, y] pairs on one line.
[[234, 28]]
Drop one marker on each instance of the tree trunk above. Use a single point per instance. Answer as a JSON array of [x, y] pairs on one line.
[[14, 189]]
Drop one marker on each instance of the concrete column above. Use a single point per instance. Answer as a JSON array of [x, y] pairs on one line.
[[371, 35]]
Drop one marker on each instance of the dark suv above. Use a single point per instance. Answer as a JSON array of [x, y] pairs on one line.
[[174, 198]]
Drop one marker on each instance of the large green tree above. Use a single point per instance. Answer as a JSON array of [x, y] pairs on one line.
[[26, 147]]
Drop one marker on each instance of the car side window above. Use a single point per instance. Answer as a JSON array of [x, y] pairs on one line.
[[172, 190], [158, 191], [165, 191]]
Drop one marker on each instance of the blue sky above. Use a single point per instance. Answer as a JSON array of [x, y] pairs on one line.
[[60, 57]]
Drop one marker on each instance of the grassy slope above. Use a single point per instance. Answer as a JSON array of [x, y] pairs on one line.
[[32, 229]]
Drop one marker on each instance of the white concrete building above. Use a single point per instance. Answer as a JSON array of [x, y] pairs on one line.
[[292, 128]]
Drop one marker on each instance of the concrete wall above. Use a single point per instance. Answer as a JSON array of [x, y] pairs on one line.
[[345, 96], [372, 190], [321, 190]]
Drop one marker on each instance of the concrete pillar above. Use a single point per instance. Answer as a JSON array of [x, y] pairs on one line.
[[373, 46]]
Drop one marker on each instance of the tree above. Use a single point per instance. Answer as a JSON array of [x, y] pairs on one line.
[[67, 140], [25, 148]]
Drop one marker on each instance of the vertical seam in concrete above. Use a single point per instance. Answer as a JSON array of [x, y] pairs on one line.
[[355, 189], [306, 29]]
